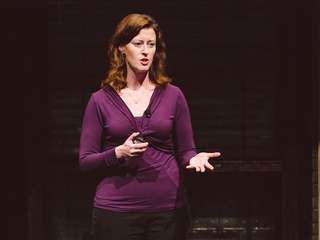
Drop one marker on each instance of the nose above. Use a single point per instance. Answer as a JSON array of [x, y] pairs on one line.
[[145, 50]]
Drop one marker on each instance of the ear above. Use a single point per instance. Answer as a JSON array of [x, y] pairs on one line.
[[121, 49]]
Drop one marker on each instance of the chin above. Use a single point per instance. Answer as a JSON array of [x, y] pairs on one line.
[[143, 70]]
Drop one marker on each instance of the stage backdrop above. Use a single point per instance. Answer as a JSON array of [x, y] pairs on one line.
[[233, 63]]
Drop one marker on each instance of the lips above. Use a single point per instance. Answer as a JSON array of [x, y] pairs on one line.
[[144, 61]]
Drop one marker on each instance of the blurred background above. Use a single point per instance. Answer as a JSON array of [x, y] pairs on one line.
[[250, 73]]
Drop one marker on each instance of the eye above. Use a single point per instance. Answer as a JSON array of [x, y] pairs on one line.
[[152, 44], [137, 44]]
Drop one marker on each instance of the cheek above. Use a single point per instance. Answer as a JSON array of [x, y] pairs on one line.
[[131, 58], [154, 53], [152, 56]]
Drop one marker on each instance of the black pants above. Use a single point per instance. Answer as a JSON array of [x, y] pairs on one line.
[[169, 225]]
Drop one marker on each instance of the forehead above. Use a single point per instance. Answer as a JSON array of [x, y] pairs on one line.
[[146, 33]]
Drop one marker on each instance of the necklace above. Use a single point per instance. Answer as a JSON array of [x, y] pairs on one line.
[[136, 101]]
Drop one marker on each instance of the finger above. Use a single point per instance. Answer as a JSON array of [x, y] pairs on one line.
[[189, 167], [136, 154], [133, 135], [214, 154], [141, 145], [138, 150], [202, 169], [209, 166]]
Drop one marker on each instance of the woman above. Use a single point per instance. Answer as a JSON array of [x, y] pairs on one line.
[[137, 130]]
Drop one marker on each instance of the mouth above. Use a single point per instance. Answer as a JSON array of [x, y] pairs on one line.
[[144, 61]]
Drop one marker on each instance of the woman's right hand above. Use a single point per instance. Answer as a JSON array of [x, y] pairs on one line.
[[129, 149]]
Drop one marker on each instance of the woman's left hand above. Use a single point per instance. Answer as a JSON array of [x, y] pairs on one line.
[[200, 161]]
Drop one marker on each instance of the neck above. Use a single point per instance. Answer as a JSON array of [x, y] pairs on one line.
[[136, 80]]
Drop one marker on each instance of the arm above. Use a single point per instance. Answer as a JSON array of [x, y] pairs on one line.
[[185, 143], [90, 156], [182, 132]]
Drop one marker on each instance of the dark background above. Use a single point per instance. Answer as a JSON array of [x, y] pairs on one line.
[[249, 71]]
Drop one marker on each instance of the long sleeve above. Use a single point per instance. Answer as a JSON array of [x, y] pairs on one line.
[[148, 183], [90, 155], [183, 135]]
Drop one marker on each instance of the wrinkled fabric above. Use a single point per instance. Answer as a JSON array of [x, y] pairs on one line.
[[153, 182]]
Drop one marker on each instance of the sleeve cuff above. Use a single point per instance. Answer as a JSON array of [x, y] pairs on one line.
[[186, 158], [111, 158]]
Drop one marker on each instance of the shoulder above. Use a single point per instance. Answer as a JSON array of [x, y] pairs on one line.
[[96, 99], [102, 91], [174, 90], [173, 95], [171, 87], [100, 95]]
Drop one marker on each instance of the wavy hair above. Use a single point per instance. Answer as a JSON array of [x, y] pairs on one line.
[[126, 30]]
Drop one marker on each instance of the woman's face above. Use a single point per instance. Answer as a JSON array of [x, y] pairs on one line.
[[140, 51]]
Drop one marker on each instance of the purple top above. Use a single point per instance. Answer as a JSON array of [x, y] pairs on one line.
[[153, 182]]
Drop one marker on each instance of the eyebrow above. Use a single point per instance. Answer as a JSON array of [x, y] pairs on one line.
[[151, 40]]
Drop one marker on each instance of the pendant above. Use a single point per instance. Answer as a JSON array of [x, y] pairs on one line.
[[136, 102]]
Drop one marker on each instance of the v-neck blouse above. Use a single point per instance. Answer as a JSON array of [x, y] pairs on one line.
[[148, 184]]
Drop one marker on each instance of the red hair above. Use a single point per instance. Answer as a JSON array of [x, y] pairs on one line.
[[127, 29]]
